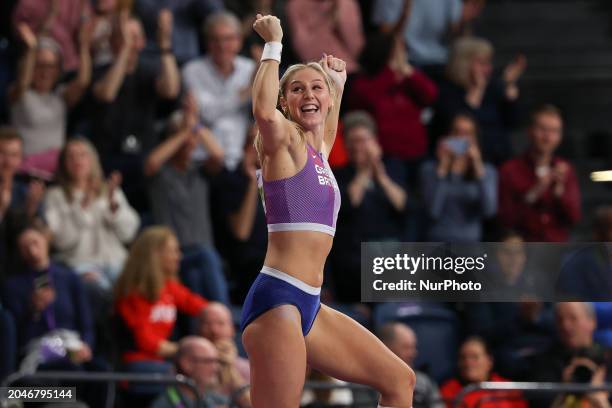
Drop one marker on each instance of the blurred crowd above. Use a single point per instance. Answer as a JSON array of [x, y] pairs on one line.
[[131, 226]]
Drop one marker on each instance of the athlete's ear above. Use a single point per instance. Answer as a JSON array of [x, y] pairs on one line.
[[283, 105]]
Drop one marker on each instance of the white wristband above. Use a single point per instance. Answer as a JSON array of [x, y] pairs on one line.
[[272, 51]]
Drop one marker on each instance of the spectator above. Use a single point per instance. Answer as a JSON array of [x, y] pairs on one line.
[[180, 196], [515, 330], [575, 323], [326, 26], [18, 201], [427, 31], [188, 16], [476, 365], [216, 325], [197, 359], [147, 297], [239, 219], [459, 189], [39, 108], [591, 371], [512, 276], [538, 191], [395, 94], [125, 97], [58, 19], [45, 297], [402, 340], [470, 87], [90, 218], [374, 204], [221, 84], [574, 347]]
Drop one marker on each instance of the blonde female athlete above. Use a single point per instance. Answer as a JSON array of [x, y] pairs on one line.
[[284, 324]]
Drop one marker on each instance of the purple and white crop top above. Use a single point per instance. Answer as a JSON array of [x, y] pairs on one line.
[[306, 201]]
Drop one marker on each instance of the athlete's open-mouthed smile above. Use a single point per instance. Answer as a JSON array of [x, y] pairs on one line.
[[308, 97], [309, 108]]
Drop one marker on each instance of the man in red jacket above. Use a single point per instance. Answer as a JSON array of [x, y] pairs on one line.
[[538, 191]]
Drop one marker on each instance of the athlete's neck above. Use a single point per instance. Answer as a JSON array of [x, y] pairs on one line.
[[315, 138]]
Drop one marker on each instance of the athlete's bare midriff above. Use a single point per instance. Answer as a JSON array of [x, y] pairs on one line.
[[301, 254]]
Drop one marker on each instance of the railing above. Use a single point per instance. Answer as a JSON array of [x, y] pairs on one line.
[[114, 377], [107, 377], [535, 387], [458, 402]]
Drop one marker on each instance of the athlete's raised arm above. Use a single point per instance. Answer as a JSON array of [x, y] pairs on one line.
[[272, 124], [335, 68]]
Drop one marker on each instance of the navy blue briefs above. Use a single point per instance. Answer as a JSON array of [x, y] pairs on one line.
[[274, 288]]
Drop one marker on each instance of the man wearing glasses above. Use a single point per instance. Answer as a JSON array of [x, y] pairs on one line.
[[197, 358]]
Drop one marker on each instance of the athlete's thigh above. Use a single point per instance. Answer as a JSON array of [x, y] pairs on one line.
[[277, 355], [339, 346]]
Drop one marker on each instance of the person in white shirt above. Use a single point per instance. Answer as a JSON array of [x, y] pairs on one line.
[[39, 106], [90, 219], [221, 84]]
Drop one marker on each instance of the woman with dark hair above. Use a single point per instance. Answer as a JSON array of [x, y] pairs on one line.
[[476, 365], [459, 189], [395, 93]]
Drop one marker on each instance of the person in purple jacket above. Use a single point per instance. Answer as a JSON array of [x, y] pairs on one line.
[[284, 324]]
